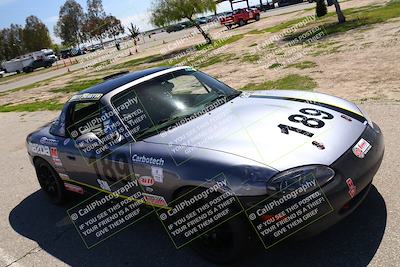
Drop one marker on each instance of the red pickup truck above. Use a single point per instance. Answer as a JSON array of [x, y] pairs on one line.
[[240, 17]]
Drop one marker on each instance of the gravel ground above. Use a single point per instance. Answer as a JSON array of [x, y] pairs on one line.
[[36, 233]]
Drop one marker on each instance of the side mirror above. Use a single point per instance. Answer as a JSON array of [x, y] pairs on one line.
[[88, 142]]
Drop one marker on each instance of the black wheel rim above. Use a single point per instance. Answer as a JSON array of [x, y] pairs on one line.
[[48, 182]]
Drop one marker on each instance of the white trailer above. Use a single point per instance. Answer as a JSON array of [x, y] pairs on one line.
[[16, 65]]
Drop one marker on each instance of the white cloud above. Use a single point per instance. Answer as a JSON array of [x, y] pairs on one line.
[[141, 20], [52, 19]]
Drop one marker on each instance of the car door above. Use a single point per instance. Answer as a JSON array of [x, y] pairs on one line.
[[79, 166]]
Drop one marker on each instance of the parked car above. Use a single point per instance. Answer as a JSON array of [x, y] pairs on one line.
[[174, 28], [282, 3], [38, 63], [240, 17], [189, 140]]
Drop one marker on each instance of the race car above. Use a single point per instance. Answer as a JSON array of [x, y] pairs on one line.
[[229, 164]]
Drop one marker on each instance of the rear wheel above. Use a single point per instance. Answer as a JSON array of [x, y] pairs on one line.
[[50, 182], [257, 17], [241, 23]]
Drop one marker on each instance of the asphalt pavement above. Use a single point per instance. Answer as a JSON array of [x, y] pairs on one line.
[[36, 233]]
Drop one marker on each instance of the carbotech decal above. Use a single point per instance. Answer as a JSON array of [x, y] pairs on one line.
[[148, 160]]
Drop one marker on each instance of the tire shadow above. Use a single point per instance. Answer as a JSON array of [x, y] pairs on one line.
[[352, 242]]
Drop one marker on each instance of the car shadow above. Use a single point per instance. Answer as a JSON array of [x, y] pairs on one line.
[[353, 241]]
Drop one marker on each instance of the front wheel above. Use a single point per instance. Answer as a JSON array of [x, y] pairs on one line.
[[224, 243], [50, 182]]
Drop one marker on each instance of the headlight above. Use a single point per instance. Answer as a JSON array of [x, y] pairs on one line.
[[303, 179], [366, 116]]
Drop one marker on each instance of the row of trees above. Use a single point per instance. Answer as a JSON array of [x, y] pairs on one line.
[[17, 40], [165, 12], [75, 26]]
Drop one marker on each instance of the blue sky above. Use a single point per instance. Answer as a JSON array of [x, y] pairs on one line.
[[136, 11]]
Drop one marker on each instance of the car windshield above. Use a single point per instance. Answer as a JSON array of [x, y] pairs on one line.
[[175, 98]]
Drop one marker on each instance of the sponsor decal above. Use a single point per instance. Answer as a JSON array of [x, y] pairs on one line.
[[63, 176], [361, 148], [148, 160], [48, 142], [319, 145], [39, 149], [146, 181], [74, 188], [149, 189], [154, 200], [66, 141], [104, 185], [347, 118], [85, 96], [352, 187], [158, 174], [54, 156]]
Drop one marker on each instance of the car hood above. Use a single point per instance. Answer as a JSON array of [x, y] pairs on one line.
[[250, 126]]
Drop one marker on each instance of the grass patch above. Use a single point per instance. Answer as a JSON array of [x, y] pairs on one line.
[[77, 86], [290, 82], [31, 107], [251, 58], [275, 65], [217, 59], [303, 65], [138, 61], [277, 27], [357, 17], [219, 43]]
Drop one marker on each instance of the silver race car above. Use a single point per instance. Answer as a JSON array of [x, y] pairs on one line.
[[215, 164]]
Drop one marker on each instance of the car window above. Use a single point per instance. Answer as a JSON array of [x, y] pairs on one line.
[[81, 114], [57, 128], [93, 117], [150, 106]]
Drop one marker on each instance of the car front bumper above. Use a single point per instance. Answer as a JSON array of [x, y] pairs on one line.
[[337, 191]]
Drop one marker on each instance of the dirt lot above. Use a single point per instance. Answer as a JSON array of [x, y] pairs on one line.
[[359, 65]]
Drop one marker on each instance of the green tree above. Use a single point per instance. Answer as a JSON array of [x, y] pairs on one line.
[[114, 26], [134, 33], [35, 35], [11, 42], [69, 25], [165, 12], [339, 12], [321, 9], [96, 20]]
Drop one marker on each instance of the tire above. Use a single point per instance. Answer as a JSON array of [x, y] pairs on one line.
[[257, 17], [225, 243], [50, 182], [28, 70], [241, 23]]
